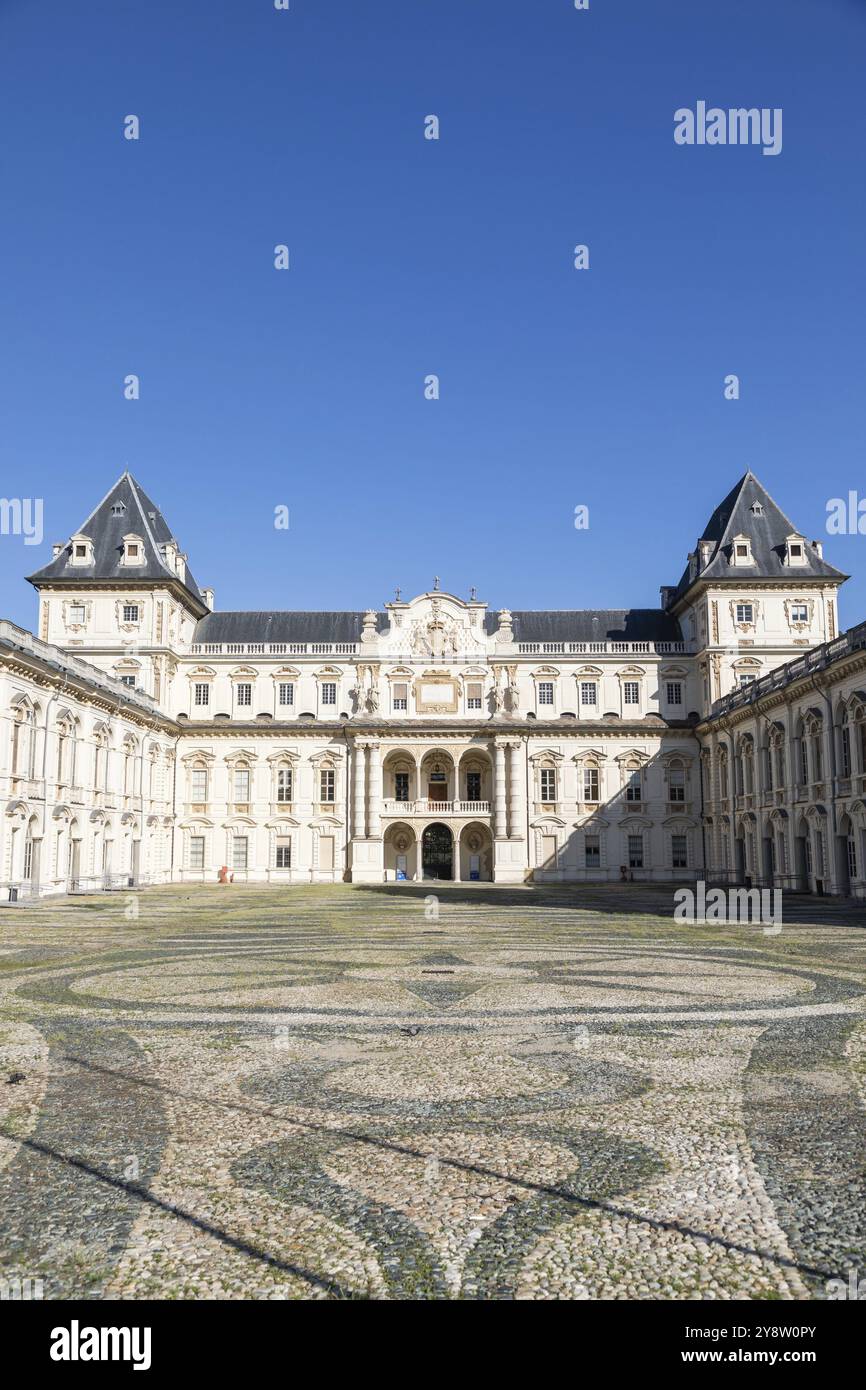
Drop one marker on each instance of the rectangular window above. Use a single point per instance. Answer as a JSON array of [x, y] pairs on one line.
[[329, 692], [241, 783], [807, 847], [799, 613], [198, 785], [675, 692], [201, 694], [284, 854], [588, 693], [327, 785], [401, 786], [852, 859], [474, 696], [196, 851], [745, 613], [592, 852], [473, 786], [77, 613], [245, 694], [28, 858], [130, 612], [633, 787], [590, 784], [545, 692], [677, 784], [631, 692], [401, 697], [284, 784], [128, 680], [679, 852], [286, 693], [846, 752], [635, 851], [746, 680], [240, 851], [548, 784]]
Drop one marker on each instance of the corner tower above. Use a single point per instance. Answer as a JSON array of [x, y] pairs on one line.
[[754, 594], [120, 591]]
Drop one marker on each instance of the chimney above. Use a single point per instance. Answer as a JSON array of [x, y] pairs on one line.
[[208, 596]]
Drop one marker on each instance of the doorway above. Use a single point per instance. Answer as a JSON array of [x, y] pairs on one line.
[[437, 852]]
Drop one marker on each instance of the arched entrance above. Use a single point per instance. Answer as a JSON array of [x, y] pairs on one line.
[[437, 852]]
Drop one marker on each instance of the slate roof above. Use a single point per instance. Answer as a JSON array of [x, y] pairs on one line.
[[106, 531], [767, 532], [284, 627], [557, 625], [591, 625]]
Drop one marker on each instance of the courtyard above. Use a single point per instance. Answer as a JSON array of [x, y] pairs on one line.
[[374, 1092]]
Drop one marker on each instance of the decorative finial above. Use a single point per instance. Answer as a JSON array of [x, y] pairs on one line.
[[397, 593], [436, 582], [473, 593]]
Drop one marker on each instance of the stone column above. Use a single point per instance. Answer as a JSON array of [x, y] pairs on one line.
[[358, 790], [499, 797], [374, 791], [515, 810]]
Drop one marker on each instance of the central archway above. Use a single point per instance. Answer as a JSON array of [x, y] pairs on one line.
[[437, 852]]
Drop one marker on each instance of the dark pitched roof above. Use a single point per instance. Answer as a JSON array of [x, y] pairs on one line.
[[560, 625], [283, 627], [106, 531], [591, 625], [767, 530]]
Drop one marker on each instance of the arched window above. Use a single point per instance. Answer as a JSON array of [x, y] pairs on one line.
[[100, 758], [66, 750], [723, 773], [815, 729], [129, 747], [23, 739], [845, 745]]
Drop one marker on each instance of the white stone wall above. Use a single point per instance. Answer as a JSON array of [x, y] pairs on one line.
[[86, 782]]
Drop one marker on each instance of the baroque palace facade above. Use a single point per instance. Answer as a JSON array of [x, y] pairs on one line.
[[147, 737]]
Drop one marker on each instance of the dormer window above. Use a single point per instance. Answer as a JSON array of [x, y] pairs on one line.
[[741, 552], [118, 508], [756, 509], [133, 550], [81, 551], [795, 550]]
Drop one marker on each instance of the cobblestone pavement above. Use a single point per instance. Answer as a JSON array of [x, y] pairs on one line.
[[334, 1092]]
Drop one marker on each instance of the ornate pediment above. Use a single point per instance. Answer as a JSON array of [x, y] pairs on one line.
[[438, 627]]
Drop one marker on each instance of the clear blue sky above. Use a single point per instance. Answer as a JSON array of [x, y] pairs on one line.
[[410, 257]]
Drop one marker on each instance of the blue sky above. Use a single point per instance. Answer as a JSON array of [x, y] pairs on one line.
[[304, 388]]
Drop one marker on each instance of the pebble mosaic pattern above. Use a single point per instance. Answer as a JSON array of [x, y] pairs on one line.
[[332, 1092]]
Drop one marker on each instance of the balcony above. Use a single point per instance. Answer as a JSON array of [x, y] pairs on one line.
[[424, 807]]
